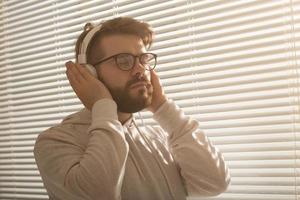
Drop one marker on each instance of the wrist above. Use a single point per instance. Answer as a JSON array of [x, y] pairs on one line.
[[157, 105]]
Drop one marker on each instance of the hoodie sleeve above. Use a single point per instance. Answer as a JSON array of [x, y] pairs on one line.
[[70, 171], [201, 165]]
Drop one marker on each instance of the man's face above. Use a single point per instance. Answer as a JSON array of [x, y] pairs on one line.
[[124, 86]]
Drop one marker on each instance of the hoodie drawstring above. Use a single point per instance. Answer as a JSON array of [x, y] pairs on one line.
[[155, 157], [136, 164]]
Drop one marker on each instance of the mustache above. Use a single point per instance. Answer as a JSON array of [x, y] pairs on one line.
[[137, 80]]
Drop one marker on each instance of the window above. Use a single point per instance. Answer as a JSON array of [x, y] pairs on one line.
[[233, 65]]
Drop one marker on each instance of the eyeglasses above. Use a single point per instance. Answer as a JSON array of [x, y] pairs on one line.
[[126, 61]]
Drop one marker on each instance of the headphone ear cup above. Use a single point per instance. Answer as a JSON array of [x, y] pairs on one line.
[[92, 70]]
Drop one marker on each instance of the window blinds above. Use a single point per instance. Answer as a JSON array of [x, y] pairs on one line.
[[232, 65]]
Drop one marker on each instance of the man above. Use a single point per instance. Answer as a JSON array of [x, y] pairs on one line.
[[100, 152]]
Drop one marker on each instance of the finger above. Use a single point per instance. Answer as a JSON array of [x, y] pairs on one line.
[[68, 71], [84, 71], [154, 78], [68, 64], [71, 73], [70, 78], [74, 83], [75, 72]]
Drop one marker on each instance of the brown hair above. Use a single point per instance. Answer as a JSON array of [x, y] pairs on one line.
[[120, 25]]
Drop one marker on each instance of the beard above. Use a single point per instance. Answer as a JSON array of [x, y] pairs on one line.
[[132, 100]]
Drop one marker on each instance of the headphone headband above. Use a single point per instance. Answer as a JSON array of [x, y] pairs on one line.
[[82, 58]]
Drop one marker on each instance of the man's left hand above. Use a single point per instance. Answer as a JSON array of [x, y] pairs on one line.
[[158, 96]]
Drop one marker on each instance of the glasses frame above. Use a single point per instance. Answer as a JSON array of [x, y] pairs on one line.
[[134, 62]]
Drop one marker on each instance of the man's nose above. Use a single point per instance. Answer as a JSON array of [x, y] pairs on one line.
[[138, 68]]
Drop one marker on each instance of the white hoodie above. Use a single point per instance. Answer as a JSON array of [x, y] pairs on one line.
[[92, 156]]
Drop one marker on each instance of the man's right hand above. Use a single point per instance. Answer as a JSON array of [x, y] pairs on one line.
[[87, 88]]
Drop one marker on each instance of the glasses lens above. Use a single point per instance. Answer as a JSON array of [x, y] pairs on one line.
[[125, 61], [148, 60]]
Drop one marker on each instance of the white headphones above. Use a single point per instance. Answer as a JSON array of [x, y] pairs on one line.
[[82, 57]]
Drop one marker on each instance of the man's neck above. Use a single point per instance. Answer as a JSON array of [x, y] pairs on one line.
[[123, 117]]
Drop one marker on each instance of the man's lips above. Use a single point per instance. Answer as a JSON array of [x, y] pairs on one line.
[[139, 84]]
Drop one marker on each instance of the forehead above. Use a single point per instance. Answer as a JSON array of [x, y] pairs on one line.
[[115, 44]]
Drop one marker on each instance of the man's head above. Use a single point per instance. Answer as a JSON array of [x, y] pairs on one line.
[[122, 35]]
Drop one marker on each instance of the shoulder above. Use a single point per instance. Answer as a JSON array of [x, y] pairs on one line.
[[71, 131]]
